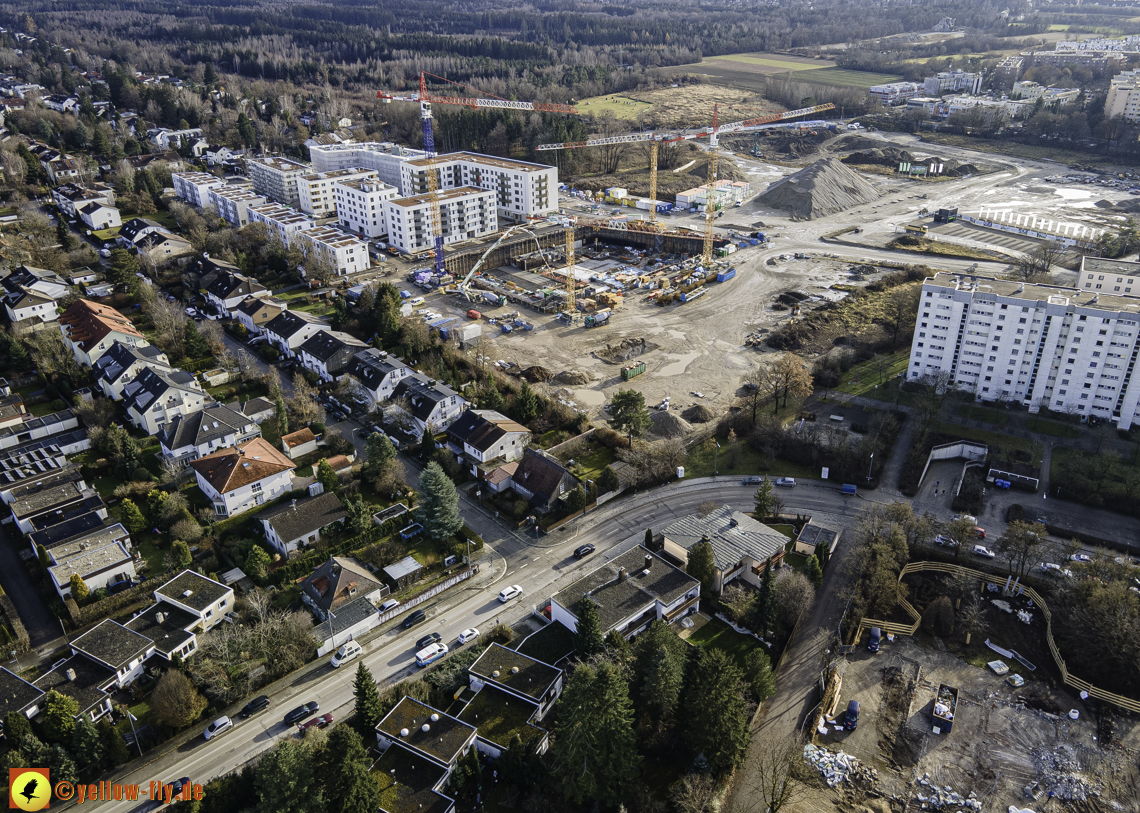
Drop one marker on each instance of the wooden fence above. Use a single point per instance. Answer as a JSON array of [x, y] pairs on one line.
[[1067, 677]]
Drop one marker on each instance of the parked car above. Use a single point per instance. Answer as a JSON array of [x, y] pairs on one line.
[[945, 541], [469, 634], [390, 604], [851, 718], [786, 482], [413, 618], [583, 550], [301, 712], [982, 550], [510, 592], [1080, 557], [323, 721], [218, 727], [254, 706], [192, 313], [751, 481], [428, 640], [979, 532], [968, 517], [346, 653], [875, 640]]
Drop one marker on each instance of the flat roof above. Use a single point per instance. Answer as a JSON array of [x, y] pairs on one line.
[[203, 592], [86, 688], [444, 738], [237, 194], [488, 160], [280, 214], [112, 643], [333, 174], [280, 163], [373, 184], [407, 783], [329, 236], [518, 672], [450, 194], [500, 716], [94, 560], [1029, 292], [168, 633]]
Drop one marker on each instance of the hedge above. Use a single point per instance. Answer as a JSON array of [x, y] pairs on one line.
[[12, 618], [198, 366], [306, 562], [98, 610]]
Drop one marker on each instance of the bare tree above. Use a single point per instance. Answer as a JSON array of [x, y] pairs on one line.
[[51, 355], [694, 793], [776, 767], [246, 365], [214, 335], [1038, 263], [610, 155], [169, 321]]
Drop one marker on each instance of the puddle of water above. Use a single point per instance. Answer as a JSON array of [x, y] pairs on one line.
[[589, 397], [678, 367]]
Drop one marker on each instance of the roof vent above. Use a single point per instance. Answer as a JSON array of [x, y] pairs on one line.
[[495, 673], [622, 574], [245, 465], [187, 593], [403, 732], [514, 670], [435, 718], [160, 617], [648, 562], [71, 675], [425, 728]]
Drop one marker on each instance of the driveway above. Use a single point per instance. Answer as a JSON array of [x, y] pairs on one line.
[[41, 623]]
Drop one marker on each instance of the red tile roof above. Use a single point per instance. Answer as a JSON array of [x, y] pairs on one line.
[[227, 469], [91, 322], [298, 438]]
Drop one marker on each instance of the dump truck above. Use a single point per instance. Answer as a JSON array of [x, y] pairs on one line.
[[945, 706]]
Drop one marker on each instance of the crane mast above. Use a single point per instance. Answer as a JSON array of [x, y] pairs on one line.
[[714, 149]]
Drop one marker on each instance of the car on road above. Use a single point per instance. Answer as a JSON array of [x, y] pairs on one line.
[[945, 541], [982, 550], [323, 721], [510, 592], [413, 618], [469, 634], [346, 653], [967, 517], [254, 706], [191, 313], [751, 481], [218, 727], [979, 532], [583, 550], [428, 640], [301, 712], [786, 482], [1083, 558], [179, 784]]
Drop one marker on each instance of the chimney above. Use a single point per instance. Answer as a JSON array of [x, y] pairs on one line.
[[71, 675], [622, 575], [648, 561]]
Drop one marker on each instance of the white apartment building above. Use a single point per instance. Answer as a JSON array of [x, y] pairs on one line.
[[1071, 349], [465, 213], [952, 82], [1124, 97], [194, 187], [286, 223], [345, 253], [360, 206], [522, 189], [233, 203], [276, 177], [894, 92], [315, 190], [383, 157]]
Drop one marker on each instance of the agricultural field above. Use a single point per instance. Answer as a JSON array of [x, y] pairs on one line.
[[748, 71]]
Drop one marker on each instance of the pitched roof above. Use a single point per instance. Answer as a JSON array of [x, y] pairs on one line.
[[252, 304], [113, 644], [733, 535], [539, 473], [288, 323], [16, 694], [300, 437], [209, 423], [234, 467], [423, 394], [115, 362], [336, 582], [326, 344], [90, 323], [370, 367], [256, 407], [192, 590], [228, 285], [482, 428], [152, 384], [133, 227], [301, 517]]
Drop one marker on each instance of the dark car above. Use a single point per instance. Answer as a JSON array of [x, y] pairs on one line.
[[179, 784], [413, 618], [876, 639], [301, 712], [851, 719], [583, 550], [428, 640], [319, 722], [254, 706]]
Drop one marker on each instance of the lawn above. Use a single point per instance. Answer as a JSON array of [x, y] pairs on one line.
[[590, 466], [550, 644], [844, 78], [748, 462], [105, 235], [865, 377], [994, 440], [942, 248], [977, 413], [718, 635], [781, 64], [1059, 430], [796, 560], [786, 530], [622, 107]]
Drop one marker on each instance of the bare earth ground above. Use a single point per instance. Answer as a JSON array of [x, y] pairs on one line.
[[685, 106]]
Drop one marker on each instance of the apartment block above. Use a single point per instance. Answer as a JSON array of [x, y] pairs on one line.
[[315, 190], [1124, 97], [383, 157], [894, 93], [345, 253], [522, 189], [276, 178], [1070, 349], [233, 203], [952, 82], [194, 187], [465, 213], [360, 206], [1007, 72], [286, 223]]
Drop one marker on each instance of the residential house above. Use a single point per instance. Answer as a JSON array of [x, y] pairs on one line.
[[196, 434], [62, 170], [428, 403], [162, 245], [44, 506], [437, 738], [89, 683], [122, 363], [240, 478], [328, 353], [228, 290], [17, 695], [61, 103], [155, 397], [218, 155], [70, 197], [99, 216], [255, 312], [207, 600], [81, 276], [258, 410], [294, 524], [169, 139], [29, 311], [482, 439], [741, 546], [91, 329], [377, 373], [40, 281], [194, 187], [542, 479], [509, 686], [98, 567], [299, 443], [337, 582], [119, 649], [135, 229], [290, 329], [630, 591]]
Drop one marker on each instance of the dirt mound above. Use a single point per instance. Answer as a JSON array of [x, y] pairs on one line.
[[573, 377], [824, 188], [698, 413], [624, 350], [668, 425], [536, 374], [889, 156]]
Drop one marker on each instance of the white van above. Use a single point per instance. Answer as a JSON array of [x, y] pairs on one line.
[[430, 654], [346, 653], [415, 303]]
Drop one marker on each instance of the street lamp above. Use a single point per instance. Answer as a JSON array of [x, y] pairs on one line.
[[136, 736], [869, 466], [716, 452]]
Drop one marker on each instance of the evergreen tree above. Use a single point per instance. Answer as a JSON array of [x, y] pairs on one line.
[[343, 767], [79, 590], [246, 131], [618, 648], [758, 673], [715, 722], [702, 566], [86, 744], [822, 553], [16, 727], [45, 560], [764, 608], [180, 553], [628, 413], [123, 267], [576, 499], [193, 345], [286, 780], [257, 563], [18, 354], [131, 517], [649, 537], [359, 519], [492, 398], [327, 477], [608, 480], [661, 687], [378, 455], [526, 405], [281, 415], [438, 510], [209, 75], [58, 718], [115, 751], [588, 638], [427, 444], [60, 764], [764, 499], [369, 708], [813, 572], [386, 314]]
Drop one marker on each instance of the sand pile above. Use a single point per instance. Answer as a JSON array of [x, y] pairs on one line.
[[824, 188], [624, 350], [698, 413], [668, 425], [573, 377], [892, 156]]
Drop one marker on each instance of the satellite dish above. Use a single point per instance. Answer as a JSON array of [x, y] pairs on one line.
[[435, 718], [425, 728], [514, 670]]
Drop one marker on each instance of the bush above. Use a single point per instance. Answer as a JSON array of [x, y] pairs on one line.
[[610, 438], [187, 530], [58, 405], [939, 617], [142, 474]]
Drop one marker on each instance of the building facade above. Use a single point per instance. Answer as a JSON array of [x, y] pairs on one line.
[[194, 187], [1124, 97], [276, 178], [282, 221], [465, 214], [315, 190], [233, 203], [521, 189], [344, 253], [360, 206]]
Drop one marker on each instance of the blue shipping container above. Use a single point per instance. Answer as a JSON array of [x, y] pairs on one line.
[[725, 276]]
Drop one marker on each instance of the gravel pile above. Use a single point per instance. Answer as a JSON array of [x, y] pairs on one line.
[[837, 767], [573, 377], [668, 425], [945, 798], [893, 156], [698, 413], [1060, 773], [824, 188]]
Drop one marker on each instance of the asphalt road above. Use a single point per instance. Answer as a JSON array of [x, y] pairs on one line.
[[541, 569]]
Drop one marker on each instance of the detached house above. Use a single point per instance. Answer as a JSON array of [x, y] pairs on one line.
[[288, 331], [123, 362], [337, 583], [328, 353], [299, 443], [71, 197], [162, 245], [542, 479], [741, 545], [428, 403], [255, 312], [377, 373], [135, 229], [228, 290], [205, 599], [155, 398], [91, 329], [99, 216], [292, 525], [483, 439], [215, 426], [237, 479]]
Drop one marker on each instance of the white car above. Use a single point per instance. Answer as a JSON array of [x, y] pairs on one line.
[[982, 550], [786, 482], [469, 634], [1083, 558], [510, 592], [218, 727], [970, 519], [191, 312]]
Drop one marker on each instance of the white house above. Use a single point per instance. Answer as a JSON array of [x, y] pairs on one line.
[[344, 253], [155, 398], [29, 305], [239, 478], [121, 650], [290, 329], [123, 362], [228, 290], [328, 353], [377, 373], [98, 216], [232, 203], [193, 593], [360, 206], [91, 329], [135, 229], [291, 525], [215, 426], [299, 443], [97, 566], [429, 403], [217, 155], [194, 187], [315, 190], [172, 139], [480, 436], [70, 197]]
